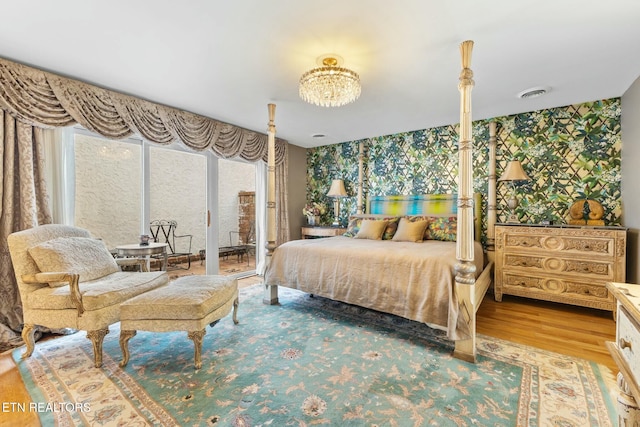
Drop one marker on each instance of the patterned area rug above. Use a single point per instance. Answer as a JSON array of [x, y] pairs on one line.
[[311, 361]]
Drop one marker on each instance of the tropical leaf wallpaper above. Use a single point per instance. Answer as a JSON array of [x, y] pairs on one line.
[[569, 153]]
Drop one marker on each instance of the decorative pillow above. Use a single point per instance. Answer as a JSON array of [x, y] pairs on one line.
[[356, 220], [418, 218], [371, 229], [85, 256], [443, 228], [410, 231]]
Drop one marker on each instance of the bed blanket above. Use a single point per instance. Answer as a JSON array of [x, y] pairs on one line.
[[411, 280]]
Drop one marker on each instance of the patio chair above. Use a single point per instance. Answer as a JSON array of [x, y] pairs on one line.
[[246, 243], [164, 231]]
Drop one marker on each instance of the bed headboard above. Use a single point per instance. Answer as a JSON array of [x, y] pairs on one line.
[[425, 204]]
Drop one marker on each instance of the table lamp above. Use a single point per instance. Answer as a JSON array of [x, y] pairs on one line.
[[337, 191], [513, 173]]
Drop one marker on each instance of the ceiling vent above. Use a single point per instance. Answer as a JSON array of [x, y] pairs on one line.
[[533, 92]]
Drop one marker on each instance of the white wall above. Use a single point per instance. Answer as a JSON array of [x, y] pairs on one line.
[[631, 176]]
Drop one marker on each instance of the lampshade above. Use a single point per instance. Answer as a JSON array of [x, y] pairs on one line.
[[337, 189], [330, 85], [514, 172]]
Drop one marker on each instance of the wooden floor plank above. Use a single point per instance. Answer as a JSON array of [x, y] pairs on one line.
[[574, 331]]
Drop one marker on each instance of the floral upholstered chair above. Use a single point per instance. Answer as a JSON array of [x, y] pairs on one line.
[[67, 279]]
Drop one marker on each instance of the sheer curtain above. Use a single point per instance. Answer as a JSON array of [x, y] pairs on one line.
[[261, 216], [58, 146], [25, 204]]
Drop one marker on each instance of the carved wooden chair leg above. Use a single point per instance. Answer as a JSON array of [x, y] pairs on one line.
[[125, 336], [196, 337], [235, 310], [28, 331], [97, 337]]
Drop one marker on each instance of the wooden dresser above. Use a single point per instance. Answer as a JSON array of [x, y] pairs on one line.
[[626, 350], [562, 263]]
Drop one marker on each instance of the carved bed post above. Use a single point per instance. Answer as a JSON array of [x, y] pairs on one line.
[[492, 204], [360, 176], [271, 292], [465, 268]]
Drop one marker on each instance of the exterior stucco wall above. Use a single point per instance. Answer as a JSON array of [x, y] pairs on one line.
[[109, 191]]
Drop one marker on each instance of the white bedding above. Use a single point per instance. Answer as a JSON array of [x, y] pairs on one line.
[[412, 280]]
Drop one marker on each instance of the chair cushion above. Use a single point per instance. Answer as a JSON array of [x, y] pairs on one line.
[[85, 256], [100, 293], [188, 297]]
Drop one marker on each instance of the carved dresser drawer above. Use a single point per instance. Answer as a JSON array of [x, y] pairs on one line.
[[566, 264]]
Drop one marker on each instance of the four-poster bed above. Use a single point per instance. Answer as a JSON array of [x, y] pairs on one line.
[[463, 279]]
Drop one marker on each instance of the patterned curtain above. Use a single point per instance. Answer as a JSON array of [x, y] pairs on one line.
[[24, 202], [46, 100], [282, 203]]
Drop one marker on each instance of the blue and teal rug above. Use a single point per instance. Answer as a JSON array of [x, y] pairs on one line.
[[309, 362]]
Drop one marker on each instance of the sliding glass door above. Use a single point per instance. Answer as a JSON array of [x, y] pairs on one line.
[[108, 194], [115, 189], [177, 195], [236, 217]]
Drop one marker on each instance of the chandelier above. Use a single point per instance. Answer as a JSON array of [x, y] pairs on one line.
[[329, 85]]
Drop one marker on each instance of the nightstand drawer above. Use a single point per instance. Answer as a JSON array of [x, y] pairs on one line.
[[628, 337]]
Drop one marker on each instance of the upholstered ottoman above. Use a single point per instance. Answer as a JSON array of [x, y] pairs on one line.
[[188, 303]]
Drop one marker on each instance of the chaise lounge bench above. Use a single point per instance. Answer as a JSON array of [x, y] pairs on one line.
[[188, 304]]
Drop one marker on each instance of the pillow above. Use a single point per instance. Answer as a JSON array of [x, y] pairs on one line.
[[85, 256], [443, 228], [418, 218], [371, 229], [356, 220], [410, 231]]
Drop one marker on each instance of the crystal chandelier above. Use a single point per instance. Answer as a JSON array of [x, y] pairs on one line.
[[330, 85]]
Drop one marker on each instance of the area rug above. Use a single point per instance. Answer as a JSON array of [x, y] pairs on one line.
[[306, 362]]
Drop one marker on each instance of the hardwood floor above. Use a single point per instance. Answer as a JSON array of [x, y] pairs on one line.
[[565, 329], [575, 331]]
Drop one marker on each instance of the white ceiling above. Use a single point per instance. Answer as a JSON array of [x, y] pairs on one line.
[[228, 59]]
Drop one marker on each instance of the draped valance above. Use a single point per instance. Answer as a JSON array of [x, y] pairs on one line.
[[44, 99]]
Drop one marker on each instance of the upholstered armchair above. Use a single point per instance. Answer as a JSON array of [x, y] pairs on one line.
[[67, 279]]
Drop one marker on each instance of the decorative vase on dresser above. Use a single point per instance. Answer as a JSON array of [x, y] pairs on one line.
[[561, 263]]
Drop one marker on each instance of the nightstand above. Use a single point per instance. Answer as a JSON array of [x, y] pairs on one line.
[[314, 231]]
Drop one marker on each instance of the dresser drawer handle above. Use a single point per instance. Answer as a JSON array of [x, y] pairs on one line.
[[625, 344]]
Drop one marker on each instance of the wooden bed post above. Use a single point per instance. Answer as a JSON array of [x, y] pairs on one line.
[[465, 268], [492, 204], [271, 292], [360, 176]]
